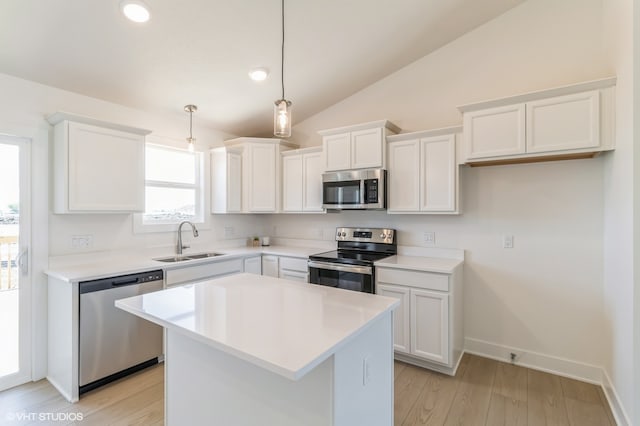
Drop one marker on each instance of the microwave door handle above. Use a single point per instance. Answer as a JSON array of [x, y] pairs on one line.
[[362, 189]]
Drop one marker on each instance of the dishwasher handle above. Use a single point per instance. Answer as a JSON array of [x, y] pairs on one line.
[[125, 281]]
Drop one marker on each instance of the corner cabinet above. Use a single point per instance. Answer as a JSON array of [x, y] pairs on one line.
[[423, 172], [428, 324], [362, 146], [302, 181], [574, 121], [98, 167], [253, 164]]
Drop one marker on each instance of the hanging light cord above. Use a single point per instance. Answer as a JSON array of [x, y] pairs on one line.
[[282, 52], [190, 125]]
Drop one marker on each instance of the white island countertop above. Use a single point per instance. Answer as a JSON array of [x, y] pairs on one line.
[[283, 326]]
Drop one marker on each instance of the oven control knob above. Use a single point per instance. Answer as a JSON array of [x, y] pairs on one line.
[[383, 236], [344, 234]]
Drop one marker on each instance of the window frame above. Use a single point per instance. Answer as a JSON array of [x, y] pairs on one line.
[[202, 219]]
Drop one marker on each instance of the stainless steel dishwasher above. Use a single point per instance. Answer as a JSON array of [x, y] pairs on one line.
[[114, 343]]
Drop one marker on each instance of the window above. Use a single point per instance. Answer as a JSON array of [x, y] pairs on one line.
[[173, 189]]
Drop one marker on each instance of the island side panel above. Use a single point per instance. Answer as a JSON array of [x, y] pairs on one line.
[[205, 386], [364, 377]]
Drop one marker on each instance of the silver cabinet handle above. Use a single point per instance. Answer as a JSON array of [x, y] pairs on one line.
[[365, 270]]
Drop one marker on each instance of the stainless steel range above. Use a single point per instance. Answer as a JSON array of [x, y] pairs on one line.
[[351, 265]]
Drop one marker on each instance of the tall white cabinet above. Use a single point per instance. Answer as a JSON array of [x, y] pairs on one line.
[[254, 166], [423, 172], [302, 181], [98, 167], [361, 146], [574, 121]]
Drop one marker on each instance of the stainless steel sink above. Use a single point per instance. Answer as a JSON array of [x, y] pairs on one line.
[[186, 257]]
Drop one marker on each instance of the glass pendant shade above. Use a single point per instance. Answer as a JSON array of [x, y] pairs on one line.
[[282, 118]]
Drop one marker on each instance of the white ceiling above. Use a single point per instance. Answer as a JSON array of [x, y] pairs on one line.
[[200, 51]]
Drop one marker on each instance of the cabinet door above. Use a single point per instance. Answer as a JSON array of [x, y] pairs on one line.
[[400, 315], [292, 183], [564, 122], [262, 178], [312, 182], [366, 149], [337, 151], [106, 169], [234, 182], [430, 325], [438, 173], [495, 132], [270, 266], [253, 265], [404, 176]]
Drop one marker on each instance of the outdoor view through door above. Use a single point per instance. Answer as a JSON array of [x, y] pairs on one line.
[[14, 356]]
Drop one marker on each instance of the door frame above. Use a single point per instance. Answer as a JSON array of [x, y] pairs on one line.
[[25, 329]]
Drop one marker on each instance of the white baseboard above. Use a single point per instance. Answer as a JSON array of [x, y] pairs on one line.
[[613, 399], [555, 365]]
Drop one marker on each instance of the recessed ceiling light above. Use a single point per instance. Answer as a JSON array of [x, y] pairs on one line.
[[135, 10], [258, 74]]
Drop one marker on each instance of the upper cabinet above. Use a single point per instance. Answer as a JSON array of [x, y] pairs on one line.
[[252, 164], [567, 122], [361, 146], [302, 181], [226, 180], [98, 167], [423, 172]]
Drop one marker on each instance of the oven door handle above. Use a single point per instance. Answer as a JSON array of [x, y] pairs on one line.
[[365, 270]]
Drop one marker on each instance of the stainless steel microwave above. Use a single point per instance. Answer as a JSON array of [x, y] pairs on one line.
[[355, 190]]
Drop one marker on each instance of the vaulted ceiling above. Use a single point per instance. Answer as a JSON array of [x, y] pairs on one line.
[[200, 51]]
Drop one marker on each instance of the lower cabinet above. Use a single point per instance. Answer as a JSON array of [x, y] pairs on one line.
[[428, 325], [253, 265], [202, 271], [292, 268], [270, 265]]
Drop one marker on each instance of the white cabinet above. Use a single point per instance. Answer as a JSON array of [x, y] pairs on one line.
[[260, 173], [98, 167], [202, 271], [270, 265], [428, 329], [401, 320], [293, 268], [226, 180], [566, 122], [253, 265], [360, 146], [423, 172], [302, 181]]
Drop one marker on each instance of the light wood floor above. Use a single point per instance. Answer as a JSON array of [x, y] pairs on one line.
[[484, 392]]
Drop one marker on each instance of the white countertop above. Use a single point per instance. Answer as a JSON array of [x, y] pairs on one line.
[[283, 326], [106, 264], [418, 263]]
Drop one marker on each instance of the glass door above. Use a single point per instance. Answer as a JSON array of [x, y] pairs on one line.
[[15, 327]]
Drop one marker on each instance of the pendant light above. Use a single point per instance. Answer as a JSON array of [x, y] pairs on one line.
[[282, 108], [191, 140]]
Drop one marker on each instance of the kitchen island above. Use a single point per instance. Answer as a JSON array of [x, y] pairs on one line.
[[248, 349]]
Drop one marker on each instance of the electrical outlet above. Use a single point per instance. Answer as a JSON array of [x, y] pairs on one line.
[[81, 241], [430, 238], [507, 241], [229, 231]]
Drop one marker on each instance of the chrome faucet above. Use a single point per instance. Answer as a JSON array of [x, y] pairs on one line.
[[195, 234]]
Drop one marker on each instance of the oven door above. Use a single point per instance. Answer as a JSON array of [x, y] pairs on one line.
[[349, 277]]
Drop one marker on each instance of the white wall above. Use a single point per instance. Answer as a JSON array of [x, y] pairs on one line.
[[619, 227], [545, 295]]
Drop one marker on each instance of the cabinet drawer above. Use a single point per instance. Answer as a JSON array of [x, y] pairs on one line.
[[293, 264], [199, 272], [425, 280]]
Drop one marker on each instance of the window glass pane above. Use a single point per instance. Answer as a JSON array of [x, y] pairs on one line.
[[168, 165], [169, 204]]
